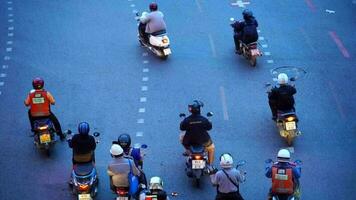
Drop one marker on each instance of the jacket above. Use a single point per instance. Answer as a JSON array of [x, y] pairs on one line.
[[283, 97], [154, 22], [222, 181], [196, 127], [83, 147]]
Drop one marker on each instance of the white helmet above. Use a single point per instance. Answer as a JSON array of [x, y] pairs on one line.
[[283, 155], [156, 183], [226, 160], [282, 78], [116, 150]]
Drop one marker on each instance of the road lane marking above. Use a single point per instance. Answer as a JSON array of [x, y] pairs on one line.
[[308, 40], [145, 70], [143, 99], [7, 57], [9, 2], [270, 61], [9, 42], [2, 83], [8, 49], [223, 101], [5, 66], [330, 11], [141, 110], [10, 20], [140, 121], [139, 134], [338, 104], [10, 15], [145, 62], [132, 5], [240, 3], [258, 31], [199, 5], [339, 44], [144, 54], [212, 45], [267, 53], [310, 5], [10, 34], [261, 38], [2, 75], [144, 88], [145, 79], [9, 8], [11, 28], [264, 45]]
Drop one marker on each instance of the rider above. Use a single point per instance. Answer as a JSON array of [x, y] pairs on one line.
[[39, 100], [152, 22], [120, 167], [124, 140], [245, 30], [155, 190], [227, 179], [196, 129], [284, 174], [281, 98], [83, 145]]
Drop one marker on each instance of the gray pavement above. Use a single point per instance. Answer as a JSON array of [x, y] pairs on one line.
[[89, 56]]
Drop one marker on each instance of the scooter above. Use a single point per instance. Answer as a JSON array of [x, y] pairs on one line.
[[196, 166], [158, 42], [249, 51], [44, 135], [296, 194], [287, 121], [84, 177]]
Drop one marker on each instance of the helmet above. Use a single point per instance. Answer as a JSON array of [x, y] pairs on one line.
[[226, 160], [194, 108], [37, 83], [116, 150], [153, 6], [282, 78], [156, 183], [83, 128], [124, 141], [247, 14], [283, 155]]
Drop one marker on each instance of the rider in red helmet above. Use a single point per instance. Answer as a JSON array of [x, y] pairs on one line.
[[152, 22], [40, 101]]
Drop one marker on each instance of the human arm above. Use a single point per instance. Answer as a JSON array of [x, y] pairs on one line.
[[297, 172], [135, 170], [27, 100], [51, 98], [268, 171], [92, 143], [208, 125], [145, 18], [183, 125], [214, 178]]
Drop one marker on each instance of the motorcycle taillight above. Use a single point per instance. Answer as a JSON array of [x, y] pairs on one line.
[[197, 157], [121, 192]]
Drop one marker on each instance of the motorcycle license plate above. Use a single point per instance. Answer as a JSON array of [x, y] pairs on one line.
[[122, 198], [291, 126], [167, 51], [198, 164], [84, 197], [44, 138]]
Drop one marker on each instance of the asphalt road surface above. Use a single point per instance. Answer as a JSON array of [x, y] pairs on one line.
[[88, 54]]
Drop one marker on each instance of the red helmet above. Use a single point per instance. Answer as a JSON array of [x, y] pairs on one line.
[[153, 6], [38, 83]]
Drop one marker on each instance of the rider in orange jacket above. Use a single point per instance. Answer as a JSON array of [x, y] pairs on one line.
[[40, 101]]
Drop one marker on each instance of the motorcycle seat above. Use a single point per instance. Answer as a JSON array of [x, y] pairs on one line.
[[161, 32], [285, 113], [83, 169], [197, 149], [41, 122]]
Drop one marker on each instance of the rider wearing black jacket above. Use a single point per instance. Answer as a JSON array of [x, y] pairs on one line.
[[83, 145], [196, 129], [245, 31]]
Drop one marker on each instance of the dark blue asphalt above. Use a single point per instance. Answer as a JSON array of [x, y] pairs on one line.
[[88, 53]]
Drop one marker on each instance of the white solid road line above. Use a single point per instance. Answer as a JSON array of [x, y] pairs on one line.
[[223, 101], [212, 45]]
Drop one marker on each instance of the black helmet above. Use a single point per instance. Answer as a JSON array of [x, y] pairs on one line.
[[247, 14], [153, 6], [194, 108], [124, 141], [83, 128], [37, 83]]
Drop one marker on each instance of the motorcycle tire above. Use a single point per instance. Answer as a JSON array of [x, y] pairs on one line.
[[253, 61]]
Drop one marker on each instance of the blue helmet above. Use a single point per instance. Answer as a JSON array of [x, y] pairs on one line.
[[83, 128]]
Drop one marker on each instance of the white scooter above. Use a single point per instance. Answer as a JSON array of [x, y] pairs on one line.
[[158, 42]]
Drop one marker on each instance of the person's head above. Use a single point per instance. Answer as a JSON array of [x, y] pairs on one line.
[[247, 14], [83, 128], [282, 78], [283, 155], [37, 83], [124, 140], [116, 150], [153, 6], [194, 108], [156, 183], [226, 161]]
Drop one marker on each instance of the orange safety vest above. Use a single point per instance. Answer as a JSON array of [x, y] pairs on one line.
[[40, 104], [282, 180]]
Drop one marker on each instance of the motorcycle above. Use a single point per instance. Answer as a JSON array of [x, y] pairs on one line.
[[249, 51], [297, 192], [44, 135], [158, 42], [287, 121], [196, 166], [84, 177], [137, 152]]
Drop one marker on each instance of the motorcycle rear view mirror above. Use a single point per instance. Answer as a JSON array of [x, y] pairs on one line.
[[268, 84], [137, 13], [232, 19], [144, 146], [96, 134], [174, 194], [268, 161], [241, 163], [298, 162], [209, 114], [292, 79], [182, 115]]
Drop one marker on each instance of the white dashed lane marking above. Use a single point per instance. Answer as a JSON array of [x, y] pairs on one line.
[[9, 49], [145, 62], [132, 5], [144, 88], [2, 75], [5, 66], [9, 42], [265, 45], [10, 34], [145, 70], [10, 15], [144, 79], [7, 57], [141, 110], [9, 2], [140, 121], [267, 53], [261, 38], [143, 99], [11, 28], [2, 83], [144, 54], [139, 134], [9, 8], [10, 20], [270, 61]]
